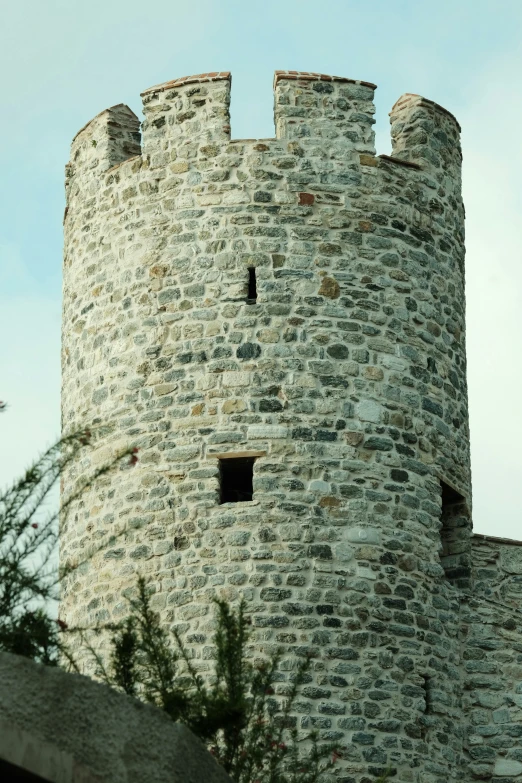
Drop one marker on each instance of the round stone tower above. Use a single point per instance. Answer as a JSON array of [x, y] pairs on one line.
[[278, 325]]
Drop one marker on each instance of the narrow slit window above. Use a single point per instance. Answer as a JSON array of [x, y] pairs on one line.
[[428, 702], [252, 285], [236, 476]]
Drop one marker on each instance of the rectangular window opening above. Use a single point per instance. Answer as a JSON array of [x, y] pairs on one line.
[[252, 286], [450, 496], [236, 475], [454, 535]]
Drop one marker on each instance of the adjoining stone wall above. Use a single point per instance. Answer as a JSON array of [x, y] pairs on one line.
[[497, 570], [346, 379], [492, 661]]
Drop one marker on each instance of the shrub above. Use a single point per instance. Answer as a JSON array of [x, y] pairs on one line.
[[29, 576], [247, 727]]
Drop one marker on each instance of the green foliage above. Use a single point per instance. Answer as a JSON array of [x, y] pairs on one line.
[[29, 575], [33, 635], [123, 658], [250, 731], [247, 726]]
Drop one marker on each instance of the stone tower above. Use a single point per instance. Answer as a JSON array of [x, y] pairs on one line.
[[278, 324]]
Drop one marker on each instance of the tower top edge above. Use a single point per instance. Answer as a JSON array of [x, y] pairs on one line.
[[310, 76], [497, 539], [409, 111], [410, 99], [101, 113], [213, 76]]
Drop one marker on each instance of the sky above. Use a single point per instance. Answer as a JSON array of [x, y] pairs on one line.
[[63, 61]]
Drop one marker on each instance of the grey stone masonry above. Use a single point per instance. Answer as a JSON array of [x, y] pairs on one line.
[[343, 378]]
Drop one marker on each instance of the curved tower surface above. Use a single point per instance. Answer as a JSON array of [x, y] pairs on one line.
[[278, 325]]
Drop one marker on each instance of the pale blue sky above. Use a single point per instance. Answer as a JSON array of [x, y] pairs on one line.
[[63, 61]]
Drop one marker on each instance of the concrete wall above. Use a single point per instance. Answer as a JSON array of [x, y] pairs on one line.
[[67, 728]]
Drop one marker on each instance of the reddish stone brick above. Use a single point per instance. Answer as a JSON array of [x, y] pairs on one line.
[[306, 198]]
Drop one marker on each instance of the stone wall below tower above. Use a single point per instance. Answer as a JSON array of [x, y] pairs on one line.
[[492, 662]]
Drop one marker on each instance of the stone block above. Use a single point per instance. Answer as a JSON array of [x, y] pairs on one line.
[[368, 410], [261, 431], [363, 535], [507, 767]]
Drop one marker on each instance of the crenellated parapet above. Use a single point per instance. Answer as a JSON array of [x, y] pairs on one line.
[[309, 109], [190, 109], [425, 133], [108, 139], [323, 122], [287, 314]]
